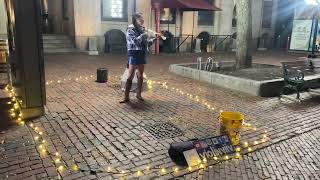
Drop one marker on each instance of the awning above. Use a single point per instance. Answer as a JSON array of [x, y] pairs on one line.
[[187, 5]]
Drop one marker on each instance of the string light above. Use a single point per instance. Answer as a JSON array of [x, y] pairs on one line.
[[163, 170], [175, 169], [139, 173], [246, 144]]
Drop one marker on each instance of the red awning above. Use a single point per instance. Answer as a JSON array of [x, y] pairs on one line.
[[187, 5]]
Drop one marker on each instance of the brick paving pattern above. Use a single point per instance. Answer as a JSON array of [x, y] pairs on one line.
[[87, 125]]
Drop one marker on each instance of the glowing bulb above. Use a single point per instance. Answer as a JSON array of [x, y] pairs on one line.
[[36, 138], [175, 169], [19, 119], [237, 155], [40, 146], [148, 168], [43, 141], [122, 172], [263, 140], [215, 158], [60, 168], [43, 150], [199, 161], [59, 81], [109, 169], [13, 114], [75, 168], [249, 149], [221, 111], [57, 154], [254, 129], [163, 170], [226, 157], [265, 131], [190, 168], [64, 79], [9, 102], [139, 173], [77, 79], [36, 128], [265, 136], [22, 123], [40, 133], [201, 166], [91, 76], [255, 142], [238, 149], [57, 161], [204, 160], [20, 115], [245, 144]]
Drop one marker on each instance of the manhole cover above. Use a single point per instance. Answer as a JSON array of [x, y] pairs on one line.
[[163, 130]]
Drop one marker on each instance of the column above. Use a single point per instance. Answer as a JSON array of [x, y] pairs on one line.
[[28, 57]]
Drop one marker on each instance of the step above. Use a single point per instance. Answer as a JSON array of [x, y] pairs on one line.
[[55, 36], [55, 46], [60, 50], [57, 41]]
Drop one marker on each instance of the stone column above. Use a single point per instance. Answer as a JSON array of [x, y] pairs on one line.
[[87, 21], [3, 21], [28, 57]]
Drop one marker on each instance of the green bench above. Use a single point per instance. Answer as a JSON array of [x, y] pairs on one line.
[[294, 73]]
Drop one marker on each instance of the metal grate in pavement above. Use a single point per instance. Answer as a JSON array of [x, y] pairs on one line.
[[163, 130]]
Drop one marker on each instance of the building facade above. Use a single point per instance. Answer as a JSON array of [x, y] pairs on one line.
[[107, 20]]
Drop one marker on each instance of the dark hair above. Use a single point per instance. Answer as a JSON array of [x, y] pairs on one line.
[[134, 20]]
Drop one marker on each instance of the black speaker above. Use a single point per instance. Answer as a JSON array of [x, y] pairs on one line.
[[102, 75]]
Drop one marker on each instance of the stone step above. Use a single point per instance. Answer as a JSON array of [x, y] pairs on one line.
[[60, 50], [55, 36], [57, 45], [57, 41]]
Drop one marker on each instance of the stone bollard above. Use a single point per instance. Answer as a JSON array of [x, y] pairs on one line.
[[102, 75]]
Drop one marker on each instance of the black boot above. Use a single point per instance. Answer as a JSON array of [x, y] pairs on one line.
[[140, 83], [127, 91]]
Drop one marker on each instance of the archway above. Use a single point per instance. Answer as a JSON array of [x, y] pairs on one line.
[[205, 36], [115, 41]]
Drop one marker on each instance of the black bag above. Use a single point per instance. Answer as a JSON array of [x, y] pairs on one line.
[[176, 152]]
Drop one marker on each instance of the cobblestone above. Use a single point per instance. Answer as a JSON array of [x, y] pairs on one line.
[[85, 117]]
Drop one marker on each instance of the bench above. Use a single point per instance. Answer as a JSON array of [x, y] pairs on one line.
[[294, 73]]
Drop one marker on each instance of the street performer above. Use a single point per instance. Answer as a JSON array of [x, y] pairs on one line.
[[137, 46]]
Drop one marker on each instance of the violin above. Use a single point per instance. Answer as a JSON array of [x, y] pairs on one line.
[[153, 32]]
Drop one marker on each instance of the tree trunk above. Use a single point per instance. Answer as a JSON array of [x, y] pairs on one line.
[[244, 34]]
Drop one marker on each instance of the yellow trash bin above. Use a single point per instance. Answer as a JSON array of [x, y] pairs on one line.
[[230, 124]]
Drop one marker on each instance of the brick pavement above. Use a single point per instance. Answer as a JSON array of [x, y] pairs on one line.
[[85, 123]]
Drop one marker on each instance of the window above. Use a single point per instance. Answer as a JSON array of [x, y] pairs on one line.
[[206, 17], [65, 9], [114, 10], [267, 14], [168, 16], [234, 17]]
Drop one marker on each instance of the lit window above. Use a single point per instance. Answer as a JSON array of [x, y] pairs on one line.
[[114, 10]]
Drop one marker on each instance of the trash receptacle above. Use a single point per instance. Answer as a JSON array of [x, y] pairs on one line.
[[230, 124], [102, 75]]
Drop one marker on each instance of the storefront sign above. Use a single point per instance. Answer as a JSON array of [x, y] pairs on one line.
[[301, 35]]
